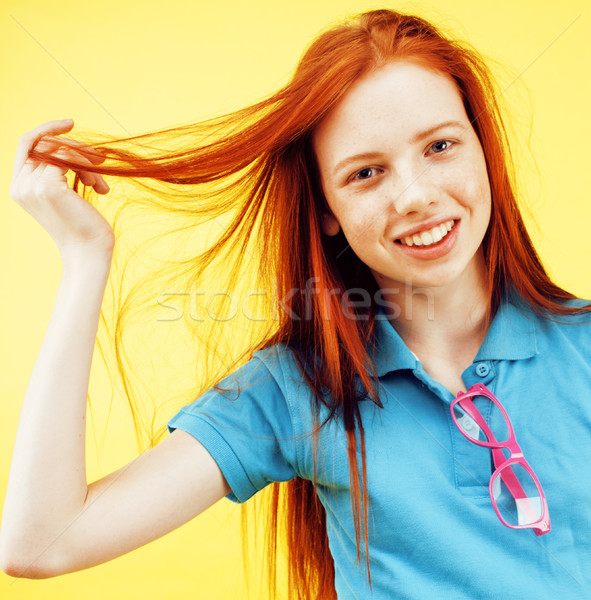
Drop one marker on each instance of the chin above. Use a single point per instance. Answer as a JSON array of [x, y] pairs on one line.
[[435, 281]]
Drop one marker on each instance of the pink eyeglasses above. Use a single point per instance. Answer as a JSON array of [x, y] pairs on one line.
[[515, 492]]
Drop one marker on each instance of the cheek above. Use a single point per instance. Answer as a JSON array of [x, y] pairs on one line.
[[469, 184], [482, 194], [478, 200], [362, 224]]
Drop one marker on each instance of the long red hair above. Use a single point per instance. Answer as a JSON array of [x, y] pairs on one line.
[[257, 167]]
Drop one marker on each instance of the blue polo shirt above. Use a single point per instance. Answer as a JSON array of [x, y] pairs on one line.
[[433, 532]]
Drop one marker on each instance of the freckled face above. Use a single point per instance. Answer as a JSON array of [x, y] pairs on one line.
[[413, 204]]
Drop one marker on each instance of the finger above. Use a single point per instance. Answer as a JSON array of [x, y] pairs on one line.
[[101, 186], [28, 140], [74, 159], [88, 178], [50, 143], [68, 163], [95, 181], [82, 151], [28, 167], [58, 170], [31, 164], [58, 139]]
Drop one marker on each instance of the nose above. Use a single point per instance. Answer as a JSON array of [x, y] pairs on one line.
[[414, 191]]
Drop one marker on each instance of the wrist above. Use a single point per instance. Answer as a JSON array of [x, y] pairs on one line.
[[93, 259]]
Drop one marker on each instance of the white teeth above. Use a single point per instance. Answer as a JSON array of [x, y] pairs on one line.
[[426, 238], [431, 236]]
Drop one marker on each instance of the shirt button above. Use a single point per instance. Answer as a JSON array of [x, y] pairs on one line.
[[467, 424], [482, 369]]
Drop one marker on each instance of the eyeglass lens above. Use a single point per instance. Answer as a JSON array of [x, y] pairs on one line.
[[526, 507], [486, 423]]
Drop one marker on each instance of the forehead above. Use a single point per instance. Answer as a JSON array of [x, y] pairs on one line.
[[390, 104]]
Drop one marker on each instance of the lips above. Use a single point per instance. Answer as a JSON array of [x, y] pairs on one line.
[[435, 249]]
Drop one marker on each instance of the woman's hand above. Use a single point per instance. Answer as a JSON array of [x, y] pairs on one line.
[[42, 190]]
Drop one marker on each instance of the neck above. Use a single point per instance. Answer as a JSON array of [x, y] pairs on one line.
[[446, 321]]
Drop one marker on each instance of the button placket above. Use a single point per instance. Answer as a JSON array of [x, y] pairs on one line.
[[472, 464]]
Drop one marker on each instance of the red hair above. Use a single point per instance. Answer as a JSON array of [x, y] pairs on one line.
[[257, 166]]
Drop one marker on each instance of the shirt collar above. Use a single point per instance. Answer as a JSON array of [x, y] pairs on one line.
[[511, 336]]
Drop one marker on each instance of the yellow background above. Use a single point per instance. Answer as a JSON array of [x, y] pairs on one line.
[[128, 67]]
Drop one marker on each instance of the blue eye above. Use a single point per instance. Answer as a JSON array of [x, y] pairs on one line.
[[364, 174], [440, 150]]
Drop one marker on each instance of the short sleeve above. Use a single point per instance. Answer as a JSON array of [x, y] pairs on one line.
[[247, 430]]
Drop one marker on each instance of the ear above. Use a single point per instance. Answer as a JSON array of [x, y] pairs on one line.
[[330, 225]]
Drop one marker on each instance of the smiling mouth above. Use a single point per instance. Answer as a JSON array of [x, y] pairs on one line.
[[429, 237]]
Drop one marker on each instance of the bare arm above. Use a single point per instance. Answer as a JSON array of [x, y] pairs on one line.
[[53, 522]]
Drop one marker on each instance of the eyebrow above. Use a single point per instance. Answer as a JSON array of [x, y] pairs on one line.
[[414, 140]]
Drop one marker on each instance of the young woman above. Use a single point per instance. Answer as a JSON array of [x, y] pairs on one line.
[[378, 183]]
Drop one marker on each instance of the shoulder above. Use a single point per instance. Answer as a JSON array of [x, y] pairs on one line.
[[565, 332], [281, 361], [580, 314], [258, 391]]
